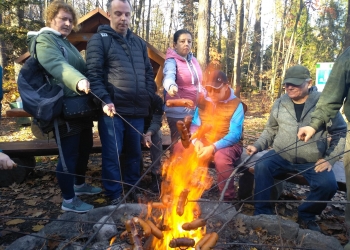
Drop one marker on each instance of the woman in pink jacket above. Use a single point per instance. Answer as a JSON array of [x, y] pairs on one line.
[[182, 79]]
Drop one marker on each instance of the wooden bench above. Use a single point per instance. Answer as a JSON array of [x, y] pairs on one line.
[[45, 147], [21, 149], [42, 148], [17, 112], [24, 152]]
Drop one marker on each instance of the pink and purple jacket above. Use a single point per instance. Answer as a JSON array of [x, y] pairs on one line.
[[186, 74]]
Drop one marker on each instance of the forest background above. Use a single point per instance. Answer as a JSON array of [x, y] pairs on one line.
[[253, 41]]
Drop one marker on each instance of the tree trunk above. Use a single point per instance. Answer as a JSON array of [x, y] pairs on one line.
[[168, 38], [203, 33], [3, 61], [227, 15], [220, 29], [148, 20], [256, 44], [143, 21], [138, 17], [347, 29], [289, 53], [236, 77]]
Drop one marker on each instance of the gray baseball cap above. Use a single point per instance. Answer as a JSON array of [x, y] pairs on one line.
[[296, 75]]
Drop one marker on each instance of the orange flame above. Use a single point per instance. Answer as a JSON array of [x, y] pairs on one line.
[[111, 242], [183, 179]]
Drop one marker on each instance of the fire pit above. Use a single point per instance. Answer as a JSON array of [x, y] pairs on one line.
[[72, 231]]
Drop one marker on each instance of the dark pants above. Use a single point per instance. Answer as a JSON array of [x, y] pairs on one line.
[[174, 134], [76, 150], [156, 151], [322, 185], [115, 135]]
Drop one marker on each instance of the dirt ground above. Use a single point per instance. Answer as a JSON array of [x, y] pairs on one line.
[[27, 207]]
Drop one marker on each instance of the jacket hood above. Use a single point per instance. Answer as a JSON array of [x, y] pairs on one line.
[[106, 28], [171, 53], [32, 34]]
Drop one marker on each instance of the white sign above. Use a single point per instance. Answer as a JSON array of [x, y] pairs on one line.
[[323, 70]]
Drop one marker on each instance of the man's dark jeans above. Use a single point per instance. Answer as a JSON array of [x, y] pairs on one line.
[[116, 134], [322, 185]]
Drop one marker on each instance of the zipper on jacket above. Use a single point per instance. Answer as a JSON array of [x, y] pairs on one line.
[[133, 67]]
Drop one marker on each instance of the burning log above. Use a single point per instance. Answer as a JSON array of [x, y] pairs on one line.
[[207, 242], [155, 230], [181, 242], [182, 202], [133, 235], [184, 133], [145, 227], [194, 225], [180, 103]]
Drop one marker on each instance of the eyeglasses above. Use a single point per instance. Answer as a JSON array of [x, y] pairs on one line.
[[211, 89], [65, 19]]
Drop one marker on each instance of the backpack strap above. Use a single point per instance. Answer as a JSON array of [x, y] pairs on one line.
[[106, 42], [58, 141]]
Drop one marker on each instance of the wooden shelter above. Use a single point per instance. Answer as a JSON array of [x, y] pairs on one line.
[[88, 26]]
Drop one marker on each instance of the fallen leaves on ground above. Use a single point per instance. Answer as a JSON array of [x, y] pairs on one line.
[[15, 222]]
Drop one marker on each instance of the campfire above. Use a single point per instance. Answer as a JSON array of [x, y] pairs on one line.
[[173, 222]]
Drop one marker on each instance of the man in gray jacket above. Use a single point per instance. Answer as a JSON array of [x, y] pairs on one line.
[[289, 113]]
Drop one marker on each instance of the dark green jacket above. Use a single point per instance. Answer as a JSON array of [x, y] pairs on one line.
[[50, 56], [334, 93]]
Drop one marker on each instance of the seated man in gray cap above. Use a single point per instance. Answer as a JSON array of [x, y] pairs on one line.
[[313, 160]]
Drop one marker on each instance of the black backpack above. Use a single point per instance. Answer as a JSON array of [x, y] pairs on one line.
[[40, 98]]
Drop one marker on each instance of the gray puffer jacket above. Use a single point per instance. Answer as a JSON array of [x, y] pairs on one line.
[[282, 128]]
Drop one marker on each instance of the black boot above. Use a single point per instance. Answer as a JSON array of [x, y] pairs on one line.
[[155, 184]]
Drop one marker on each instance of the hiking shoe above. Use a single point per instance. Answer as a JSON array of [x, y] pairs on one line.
[[309, 224], [115, 202], [77, 206], [155, 184], [87, 189]]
